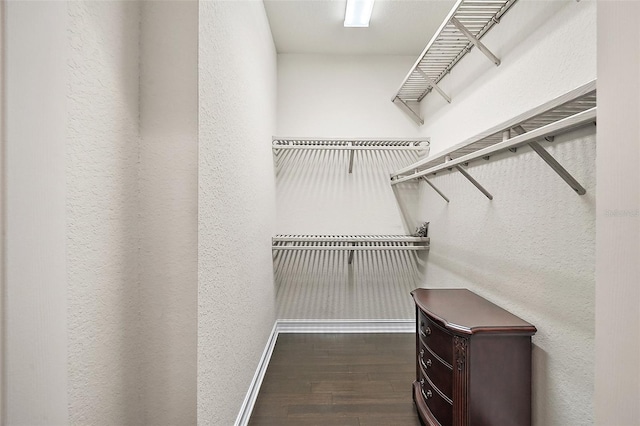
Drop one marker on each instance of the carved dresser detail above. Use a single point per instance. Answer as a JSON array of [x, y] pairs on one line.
[[473, 363]]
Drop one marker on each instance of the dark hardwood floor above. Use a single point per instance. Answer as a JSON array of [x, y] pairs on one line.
[[339, 379]]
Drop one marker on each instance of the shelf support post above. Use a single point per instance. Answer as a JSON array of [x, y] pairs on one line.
[[435, 189], [351, 159], [351, 254], [433, 84], [475, 41], [408, 110], [474, 182]]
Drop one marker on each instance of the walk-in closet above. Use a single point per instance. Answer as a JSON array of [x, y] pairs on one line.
[[320, 212]]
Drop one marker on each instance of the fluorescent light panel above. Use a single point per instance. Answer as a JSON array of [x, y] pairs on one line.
[[358, 13]]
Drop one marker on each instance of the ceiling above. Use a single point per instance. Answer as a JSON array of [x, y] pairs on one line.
[[397, 27]]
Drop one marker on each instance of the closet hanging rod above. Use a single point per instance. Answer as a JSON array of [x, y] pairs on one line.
[[565, 124]]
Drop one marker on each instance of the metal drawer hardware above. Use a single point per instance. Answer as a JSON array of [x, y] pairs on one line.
[[569, 111], [429, 363], [429, 393], [427, 331], [421, 353]]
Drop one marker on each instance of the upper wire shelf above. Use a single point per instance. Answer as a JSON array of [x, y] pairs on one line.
[[570, 110], [467, 22]]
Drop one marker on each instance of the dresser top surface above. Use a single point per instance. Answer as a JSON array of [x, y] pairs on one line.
[[463, 311]]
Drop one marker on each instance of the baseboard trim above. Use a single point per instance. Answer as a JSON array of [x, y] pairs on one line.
[[256, 382], [312, 326]]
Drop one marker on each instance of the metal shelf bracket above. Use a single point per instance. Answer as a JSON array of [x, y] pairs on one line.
[[475, 41], [557, 167], [433, 84], [435, 188], [474, 182], [403, 105], [553, 163]]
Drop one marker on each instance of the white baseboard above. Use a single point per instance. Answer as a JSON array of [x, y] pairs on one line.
[[256, 382], [313, 326]]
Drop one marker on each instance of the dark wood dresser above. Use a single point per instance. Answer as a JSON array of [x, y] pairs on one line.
[[473, 363]]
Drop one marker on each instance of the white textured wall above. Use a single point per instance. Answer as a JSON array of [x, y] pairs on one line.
[[35, 320], [531, 249], [618, 231], [168, 185], [236, 202], [103, 215], [343, 96]]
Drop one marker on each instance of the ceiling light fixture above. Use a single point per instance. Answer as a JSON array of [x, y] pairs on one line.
[[358, 13]]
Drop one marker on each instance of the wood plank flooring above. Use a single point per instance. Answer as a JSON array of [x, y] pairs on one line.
[[339, 379]]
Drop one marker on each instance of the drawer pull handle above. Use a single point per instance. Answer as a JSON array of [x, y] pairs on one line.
[[427, 331], [429, 362], [429, 393], [421, 353], [422, 382]]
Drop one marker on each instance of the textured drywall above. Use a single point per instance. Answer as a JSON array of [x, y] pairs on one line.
[[343, 96], [103, 218], [617, 377], [168, 186], [34, 385], [531, 249], [236, 202]]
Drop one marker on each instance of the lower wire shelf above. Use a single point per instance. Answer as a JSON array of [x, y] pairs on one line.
[[349, 243]]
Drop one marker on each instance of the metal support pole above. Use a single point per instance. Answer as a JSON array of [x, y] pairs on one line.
[[474, 182], [475, 41], [433, 84], [435, 189], [351, 161]]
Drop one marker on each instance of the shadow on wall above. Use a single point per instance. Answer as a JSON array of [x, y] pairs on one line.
[[317, 194], [323, 285]]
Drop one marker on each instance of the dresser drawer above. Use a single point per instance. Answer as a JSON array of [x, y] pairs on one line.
[[435, 337], [440, 374], [440, 408]]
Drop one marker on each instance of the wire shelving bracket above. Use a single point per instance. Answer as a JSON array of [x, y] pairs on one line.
[[467, 22]]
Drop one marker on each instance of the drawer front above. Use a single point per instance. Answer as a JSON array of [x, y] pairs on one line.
[[441, 409], [441, 375], [435, 337]]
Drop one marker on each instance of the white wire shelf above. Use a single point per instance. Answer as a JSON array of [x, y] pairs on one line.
[[350, 243], [419, 145], [467, 22], [573, 109]]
